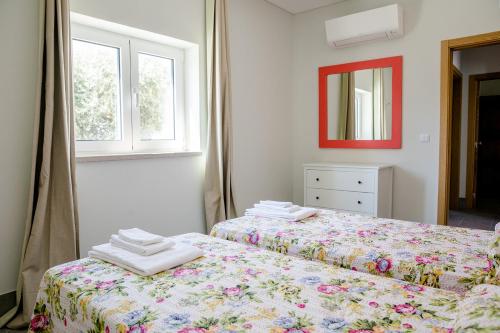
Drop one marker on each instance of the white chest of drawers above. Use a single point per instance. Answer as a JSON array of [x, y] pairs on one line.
[[362, 188]]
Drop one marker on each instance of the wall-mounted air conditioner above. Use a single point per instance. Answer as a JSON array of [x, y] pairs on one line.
[[380, 23]]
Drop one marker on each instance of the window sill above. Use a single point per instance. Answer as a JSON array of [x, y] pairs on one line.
[[101, 157]]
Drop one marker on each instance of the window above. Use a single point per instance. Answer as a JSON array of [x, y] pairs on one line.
[[364, 114], [128, 93]]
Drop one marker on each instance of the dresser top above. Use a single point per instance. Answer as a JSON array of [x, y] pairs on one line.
[[347, 165]]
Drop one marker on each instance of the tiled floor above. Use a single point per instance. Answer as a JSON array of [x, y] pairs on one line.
[[473, 219]]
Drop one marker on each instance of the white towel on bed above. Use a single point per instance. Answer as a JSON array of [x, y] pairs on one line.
[[301, 214], [150, 265], [139, 236], [278, 209], [283, 204], [143, 250]]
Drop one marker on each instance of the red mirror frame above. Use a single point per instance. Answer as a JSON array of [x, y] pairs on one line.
[[397, 93]]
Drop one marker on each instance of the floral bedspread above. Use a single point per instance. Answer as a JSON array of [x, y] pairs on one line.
[[438, 256], [238, 288]]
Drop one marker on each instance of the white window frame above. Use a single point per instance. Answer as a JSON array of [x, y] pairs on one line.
[[178, 143], [105, 38], [364, 114], [129, 48]]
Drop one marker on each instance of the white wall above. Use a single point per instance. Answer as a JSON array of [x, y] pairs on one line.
[[416, 173], [18, 65], [164, 195], [334, 86], [160, 195], [472, 61], [260, 37]]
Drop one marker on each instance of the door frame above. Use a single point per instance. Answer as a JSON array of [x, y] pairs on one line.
[[447, 48], [472, 133], [456, 123]]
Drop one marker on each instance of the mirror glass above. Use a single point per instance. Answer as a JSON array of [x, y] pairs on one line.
[[360, 105]]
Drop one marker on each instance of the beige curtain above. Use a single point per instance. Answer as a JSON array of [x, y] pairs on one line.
[[379, 114], [219, 203], [347, 114], [51, 234]]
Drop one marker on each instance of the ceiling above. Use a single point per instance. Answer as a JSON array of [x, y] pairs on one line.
[[299, 6]]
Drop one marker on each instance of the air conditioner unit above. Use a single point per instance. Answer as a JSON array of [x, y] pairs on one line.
[[380, 23]]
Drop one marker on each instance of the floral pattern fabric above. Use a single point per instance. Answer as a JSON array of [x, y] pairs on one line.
[[495, 242], [481, 305], [238, 288], [437, 256]]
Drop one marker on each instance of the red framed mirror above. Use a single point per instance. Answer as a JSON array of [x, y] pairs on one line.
[[360, 104]]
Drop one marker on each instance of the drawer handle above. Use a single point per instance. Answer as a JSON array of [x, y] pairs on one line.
[[359, 202], [317, 179], [360, 182], [317, 198]]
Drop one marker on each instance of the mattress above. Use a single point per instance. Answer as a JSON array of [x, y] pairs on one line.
[[437, 256], [238, 288]]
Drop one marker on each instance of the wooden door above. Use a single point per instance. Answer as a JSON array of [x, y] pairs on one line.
[[488, 152]]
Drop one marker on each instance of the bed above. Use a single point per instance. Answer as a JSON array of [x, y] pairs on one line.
[[239, 288], [437, 256]]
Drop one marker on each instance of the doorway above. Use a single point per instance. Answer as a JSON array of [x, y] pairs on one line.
[[455, 140], [481, 207]]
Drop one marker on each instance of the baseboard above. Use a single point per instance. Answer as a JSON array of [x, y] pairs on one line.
[[7, 302]]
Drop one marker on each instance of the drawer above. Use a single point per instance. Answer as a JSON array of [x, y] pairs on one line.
[[356, 181], [344, 200]]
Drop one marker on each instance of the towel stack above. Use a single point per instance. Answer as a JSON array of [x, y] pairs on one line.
[[280, 209], [144, 253]]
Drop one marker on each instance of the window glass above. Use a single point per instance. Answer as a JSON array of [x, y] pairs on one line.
[[156, 97], [96, 92]]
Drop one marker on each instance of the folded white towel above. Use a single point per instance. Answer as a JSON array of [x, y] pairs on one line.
[[143, 250], [283, 204], [272, 208], [139, 236], [301, 214], [150, 265]]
